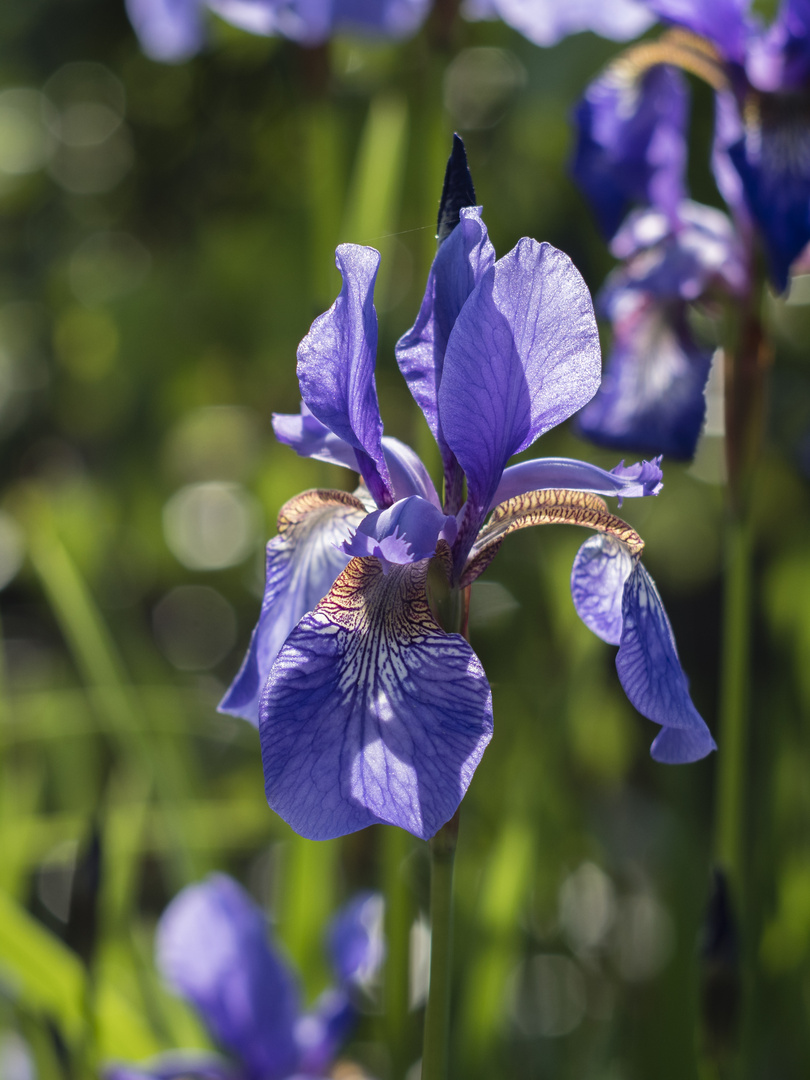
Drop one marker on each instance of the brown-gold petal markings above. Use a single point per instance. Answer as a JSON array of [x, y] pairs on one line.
[[301, 506], [550, 506]]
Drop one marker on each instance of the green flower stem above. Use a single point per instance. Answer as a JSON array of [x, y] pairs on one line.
[[734, 687], [435, 1050]]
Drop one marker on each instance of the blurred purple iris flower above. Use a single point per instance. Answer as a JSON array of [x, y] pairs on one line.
[[368, 711], [652, 395], [631, 145], [213, 949], [545, 22], [174, 30], [631, 123]]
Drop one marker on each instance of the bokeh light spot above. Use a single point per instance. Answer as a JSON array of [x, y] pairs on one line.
[[194, 626], [211, 526]]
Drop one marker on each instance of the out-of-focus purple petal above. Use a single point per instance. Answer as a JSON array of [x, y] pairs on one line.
[[681, 258], [724, 22], [336, 367], [522, 357], [302, 565], [321, 1032], [631, 142], [168, 30], [460, 263], [371, 713], [545, 22], [255, 16], [652, 395], [406, 532], [601, 568], [386, 18], [728, 130], [652, 677], [178, 1065], [356, 943], [312, 22], [643, 478], [212, 948], [779, 58], [773, 161]]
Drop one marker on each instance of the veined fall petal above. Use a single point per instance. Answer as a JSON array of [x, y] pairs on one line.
[[371, 712], [303, 562]]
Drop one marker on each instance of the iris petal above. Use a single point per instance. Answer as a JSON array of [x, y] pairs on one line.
[[643, 478], [652, 395], [631, 142], [545, 22], [601, 567], [522, 357], [405, 533], [303, 562], [336, 367], [168, 30], [212, 948], [459, 265], [652, 677], [372, 713]]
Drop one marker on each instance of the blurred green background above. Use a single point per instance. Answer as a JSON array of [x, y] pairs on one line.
[[166, 238]]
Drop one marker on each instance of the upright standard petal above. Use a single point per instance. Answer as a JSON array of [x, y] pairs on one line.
[[371, 712], [168, 30], [631, 142], [212, 948], [336, 367], [617, 599], [303, 562], [522, 357], [460, 263]]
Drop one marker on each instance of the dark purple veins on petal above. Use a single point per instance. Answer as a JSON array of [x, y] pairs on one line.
[[652, 677], [372, 713]]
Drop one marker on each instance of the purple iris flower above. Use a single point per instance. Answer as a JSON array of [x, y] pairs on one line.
[[631, 142], [545, 22], [173, 30], [652, 395], [761, 156], [368, 711], [213, 949]]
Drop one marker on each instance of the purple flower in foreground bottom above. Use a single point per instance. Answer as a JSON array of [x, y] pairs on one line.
[[368, 711], [213, 949]]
